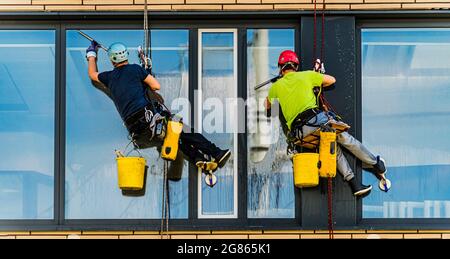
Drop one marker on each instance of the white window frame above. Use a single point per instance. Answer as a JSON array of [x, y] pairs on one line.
[[200, 121]]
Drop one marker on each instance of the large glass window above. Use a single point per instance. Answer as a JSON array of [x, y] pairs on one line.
[[405, 115], [27, 119], [95, 130], [270, 181], [218, 92]]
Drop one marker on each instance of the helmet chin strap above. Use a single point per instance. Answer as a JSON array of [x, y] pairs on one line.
[[292, 65]]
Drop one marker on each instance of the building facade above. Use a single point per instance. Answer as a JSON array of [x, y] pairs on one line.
[[58, 174]]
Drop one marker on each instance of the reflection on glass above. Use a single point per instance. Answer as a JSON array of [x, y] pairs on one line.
[[406, 110], [270, 181], [94, 130], [27, 105], [218, 84]]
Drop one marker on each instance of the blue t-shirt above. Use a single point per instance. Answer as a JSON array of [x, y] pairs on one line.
[[127, 87]]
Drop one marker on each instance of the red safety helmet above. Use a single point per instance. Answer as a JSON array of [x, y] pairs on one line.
[[288, 56]]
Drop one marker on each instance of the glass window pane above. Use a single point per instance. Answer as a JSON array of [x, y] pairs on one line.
[[218, 86], [405, 95], [270, 181], [27, 122], [95, 130]]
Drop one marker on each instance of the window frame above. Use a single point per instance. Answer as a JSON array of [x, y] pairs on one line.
[[9, 223], [60, 22], [296, 220], [199, 125], [394, 223], [193, 222]]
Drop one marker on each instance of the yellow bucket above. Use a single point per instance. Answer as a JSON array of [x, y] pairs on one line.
[[327, 154], [170, 146], [306, 171], [131, 171]]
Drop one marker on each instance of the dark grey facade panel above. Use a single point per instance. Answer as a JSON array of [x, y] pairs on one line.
[[339, 57]]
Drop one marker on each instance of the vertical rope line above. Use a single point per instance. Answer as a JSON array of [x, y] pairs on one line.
[[330, 208]]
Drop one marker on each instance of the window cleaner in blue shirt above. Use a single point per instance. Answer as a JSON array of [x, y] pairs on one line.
[[128, 86]]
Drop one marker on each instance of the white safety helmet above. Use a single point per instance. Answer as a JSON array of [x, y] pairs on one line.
[[118, 52]]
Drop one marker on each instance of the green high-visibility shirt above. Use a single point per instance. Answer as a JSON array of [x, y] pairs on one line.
[[294, 92]]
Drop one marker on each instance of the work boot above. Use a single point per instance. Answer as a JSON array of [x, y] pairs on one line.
[[223, 157], [359, 189], [378, 169]]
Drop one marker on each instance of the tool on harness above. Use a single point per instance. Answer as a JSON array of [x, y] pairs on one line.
[[170, 146], [147, 127], [327, 152]]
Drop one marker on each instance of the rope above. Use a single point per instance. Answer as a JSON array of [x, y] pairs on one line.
[[322, 47], [147, 59], [146, 32], [315, 32], [165, 202], [326, 105], [330, 208], [322, 42]]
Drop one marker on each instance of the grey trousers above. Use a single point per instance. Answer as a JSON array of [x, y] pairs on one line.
[[344, 140]]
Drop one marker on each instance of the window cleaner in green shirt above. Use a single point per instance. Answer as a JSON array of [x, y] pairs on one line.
[[295, 95]]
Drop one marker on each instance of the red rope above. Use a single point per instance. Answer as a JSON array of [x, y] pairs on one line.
[[315, 32], [322, 57], [330, 208]]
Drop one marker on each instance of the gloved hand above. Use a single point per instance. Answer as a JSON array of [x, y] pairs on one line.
[[319, 66], [92, 50]]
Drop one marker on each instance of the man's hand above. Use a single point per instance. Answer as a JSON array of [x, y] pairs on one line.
[[91, 56], [92, 50], [319, 66]]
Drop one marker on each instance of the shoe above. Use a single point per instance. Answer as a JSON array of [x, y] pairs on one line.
[[359, 189], [223, 157], [207, 165], [378, 169]]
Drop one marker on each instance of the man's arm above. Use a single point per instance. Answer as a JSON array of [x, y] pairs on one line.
[[152, 83], [328, 80], [267, 104], [100, 86], [92, 69], [93, 75], [268, 107], [91, 56]]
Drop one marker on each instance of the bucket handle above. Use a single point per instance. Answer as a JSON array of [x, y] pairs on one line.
[[118, 152]]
